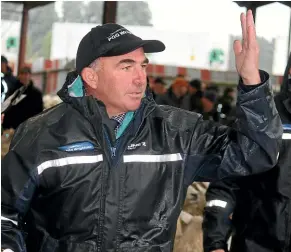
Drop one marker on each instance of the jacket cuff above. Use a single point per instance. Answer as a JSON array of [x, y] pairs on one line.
[[254, 92], [247, 88]]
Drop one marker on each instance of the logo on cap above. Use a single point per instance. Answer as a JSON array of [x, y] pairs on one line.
[[118, 33]]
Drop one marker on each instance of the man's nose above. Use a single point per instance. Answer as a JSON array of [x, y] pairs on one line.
[[139, 75]]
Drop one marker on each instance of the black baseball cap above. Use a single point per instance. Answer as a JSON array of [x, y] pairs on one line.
[[111, 40], [159, 80], [196, 83]]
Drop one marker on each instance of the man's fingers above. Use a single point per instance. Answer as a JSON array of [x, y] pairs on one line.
[[252, 41], [251, 31], [249, 18], [252, 17], [244, 29], [237, 47]]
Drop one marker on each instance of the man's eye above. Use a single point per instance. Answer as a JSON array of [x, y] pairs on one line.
[[126, 68], [144, 66]]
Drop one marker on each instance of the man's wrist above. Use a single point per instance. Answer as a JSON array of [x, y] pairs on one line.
[[252, 80]]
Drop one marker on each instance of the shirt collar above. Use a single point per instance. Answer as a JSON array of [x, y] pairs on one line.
[[118, 118]]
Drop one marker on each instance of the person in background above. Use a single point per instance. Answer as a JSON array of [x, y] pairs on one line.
[[9, 84], [28, 104], [224, 107], [208, 103], [158, 87], [177, 95], [196, 93]]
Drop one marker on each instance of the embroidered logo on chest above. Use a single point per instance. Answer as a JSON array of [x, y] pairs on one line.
[[80, 146], [134, 146]]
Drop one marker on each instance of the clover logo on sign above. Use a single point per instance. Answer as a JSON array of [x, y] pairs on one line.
[[216, 56], [11, 42]]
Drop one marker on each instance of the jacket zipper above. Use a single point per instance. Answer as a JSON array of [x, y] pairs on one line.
[[112, 151], [121, 196], [104, 178]]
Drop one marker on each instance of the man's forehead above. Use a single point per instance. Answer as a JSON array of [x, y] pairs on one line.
[[136, 55]]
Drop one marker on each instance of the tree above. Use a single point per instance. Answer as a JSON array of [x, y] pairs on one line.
[[11, 11], [93, 12], [46, 45], [133, 13], [128, 13], [40, 23], [73, 11], [28, 49]]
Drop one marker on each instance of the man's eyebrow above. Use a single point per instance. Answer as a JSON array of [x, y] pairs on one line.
[[131, 61]]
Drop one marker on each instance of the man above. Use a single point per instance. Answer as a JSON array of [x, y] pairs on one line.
[[177, 95], [196, 93], [208, 103], [108, 169], [28, 102], [158, 87], [224, 110], [261, 204], [9, 84]]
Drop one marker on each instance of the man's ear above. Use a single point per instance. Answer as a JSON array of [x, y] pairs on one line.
[[90, 77]]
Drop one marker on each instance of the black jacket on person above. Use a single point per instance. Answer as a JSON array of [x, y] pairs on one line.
[[261, 204], [9, 84], [170, 99], [67, 187], [27, 107], [196, 103], [223, 110]]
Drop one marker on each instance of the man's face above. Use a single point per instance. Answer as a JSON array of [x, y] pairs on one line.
[[3, 67], [183, 91], [232, 94], [121, 81], [159, 88], [25, 78], [180, 91], [203, 86], [192, 90]]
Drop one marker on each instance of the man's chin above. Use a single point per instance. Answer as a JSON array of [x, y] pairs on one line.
[[133, 105]]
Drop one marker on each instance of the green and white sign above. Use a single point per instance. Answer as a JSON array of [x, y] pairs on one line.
[[11, 42], [216, 56]]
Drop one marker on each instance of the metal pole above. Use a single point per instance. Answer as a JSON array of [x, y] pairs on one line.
[[23, 36], [109, 12]]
